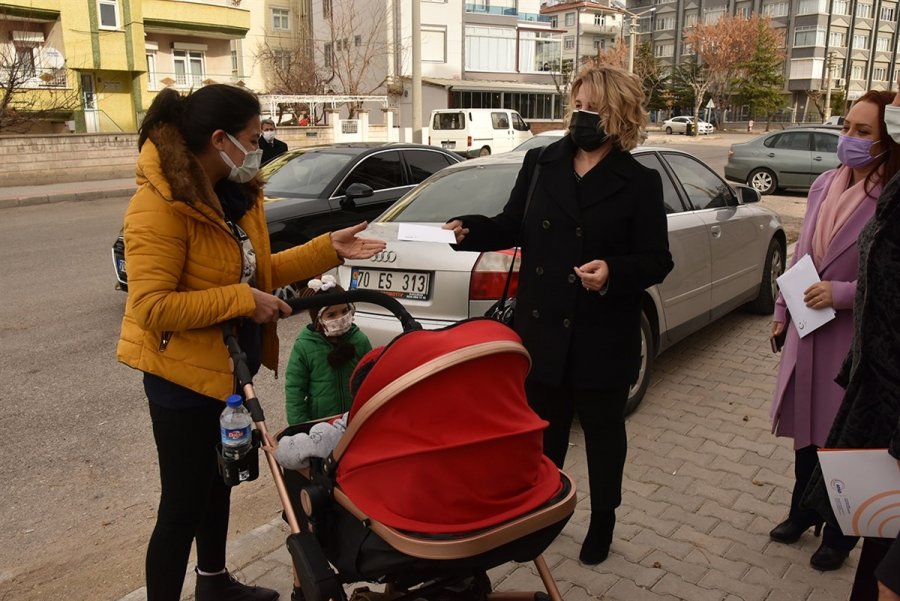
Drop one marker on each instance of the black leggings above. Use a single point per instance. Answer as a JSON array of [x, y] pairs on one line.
[[194, 502], [602, 417]]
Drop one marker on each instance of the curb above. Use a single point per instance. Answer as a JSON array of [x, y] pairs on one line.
[[41, 199]]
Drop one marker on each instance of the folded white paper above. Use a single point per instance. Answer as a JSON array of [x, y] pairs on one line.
[[864, 488], [793, 283], [425, 233]]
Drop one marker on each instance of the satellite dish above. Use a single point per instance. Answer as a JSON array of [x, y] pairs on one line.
[[51, 58]]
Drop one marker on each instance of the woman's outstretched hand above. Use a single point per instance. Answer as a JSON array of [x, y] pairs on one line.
[[458, 230], [348, 246]]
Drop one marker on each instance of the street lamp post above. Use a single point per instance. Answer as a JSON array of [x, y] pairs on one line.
[[828, 66], [632, 30]]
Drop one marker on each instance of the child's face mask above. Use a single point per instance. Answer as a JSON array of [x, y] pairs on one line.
[[338, 326]]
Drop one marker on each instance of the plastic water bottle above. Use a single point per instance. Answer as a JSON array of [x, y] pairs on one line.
[[234, 425]]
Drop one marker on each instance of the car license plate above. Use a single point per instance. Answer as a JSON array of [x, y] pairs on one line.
[[448, 145], [411, 285], [122, 265]]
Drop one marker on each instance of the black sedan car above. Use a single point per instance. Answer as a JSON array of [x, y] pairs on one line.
[[310, 191]]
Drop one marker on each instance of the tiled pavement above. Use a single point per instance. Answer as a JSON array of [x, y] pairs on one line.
[[704, 483]]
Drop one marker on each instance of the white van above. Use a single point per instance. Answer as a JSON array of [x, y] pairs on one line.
[[477, 132]]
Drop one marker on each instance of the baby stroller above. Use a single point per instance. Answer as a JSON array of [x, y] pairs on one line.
[[439, 477]]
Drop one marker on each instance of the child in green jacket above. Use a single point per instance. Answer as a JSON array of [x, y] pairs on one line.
[[325, 353]]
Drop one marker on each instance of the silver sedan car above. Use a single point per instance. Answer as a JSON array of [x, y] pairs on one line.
[[727, 249]]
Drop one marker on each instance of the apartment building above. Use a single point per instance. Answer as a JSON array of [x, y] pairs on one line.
[[475, 54], [858, 37], [113, 56], [589, 27]]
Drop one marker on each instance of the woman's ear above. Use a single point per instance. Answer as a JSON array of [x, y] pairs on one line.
[[217, 139]]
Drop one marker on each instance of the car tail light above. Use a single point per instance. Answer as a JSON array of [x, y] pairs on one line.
[[469, 141], [489, 275]]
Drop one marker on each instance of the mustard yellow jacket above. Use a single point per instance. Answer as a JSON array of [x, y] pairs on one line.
[[184, 270]]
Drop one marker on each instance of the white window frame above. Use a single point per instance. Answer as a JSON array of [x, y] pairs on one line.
[[819, 39], [439, 33], [152, 81], [841, 7], [860, 41], [882, 44], [879, 73], [812, 7], [115, 5], [279, 14], [192, 80], [837, 39], [776, 9], [857, 72], [863, 10], [888, 12], [570, 19], [569, 42]]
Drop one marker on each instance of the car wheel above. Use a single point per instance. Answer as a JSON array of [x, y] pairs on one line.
[[669, 131], [648, 354], [763, 181], [485, 151], [764, 303]]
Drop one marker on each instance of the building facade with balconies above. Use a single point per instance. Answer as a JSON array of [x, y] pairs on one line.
[[112, 56], [589, 27]]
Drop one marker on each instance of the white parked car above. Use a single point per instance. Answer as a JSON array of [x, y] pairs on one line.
[[727, 250], [678, 125]]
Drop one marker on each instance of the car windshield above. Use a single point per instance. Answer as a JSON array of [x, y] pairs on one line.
[[483, 190], [536, 142], [306, 174]]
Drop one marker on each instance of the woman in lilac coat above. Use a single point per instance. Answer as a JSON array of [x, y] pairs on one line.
[[807, 398]]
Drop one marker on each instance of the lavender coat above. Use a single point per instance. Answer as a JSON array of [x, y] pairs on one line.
[[806, 396]]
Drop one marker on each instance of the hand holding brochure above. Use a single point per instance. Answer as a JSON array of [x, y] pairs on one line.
[[793, 283], [864, 489], [425, 233]]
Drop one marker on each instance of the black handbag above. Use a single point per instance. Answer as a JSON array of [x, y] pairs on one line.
[[505, 308]]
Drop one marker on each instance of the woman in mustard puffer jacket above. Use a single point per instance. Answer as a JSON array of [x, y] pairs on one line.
[[198, 255]]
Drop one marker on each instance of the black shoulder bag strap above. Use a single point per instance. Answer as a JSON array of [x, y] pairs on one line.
[[534, 177]]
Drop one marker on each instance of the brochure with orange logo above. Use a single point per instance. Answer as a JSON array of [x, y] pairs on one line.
[[864, 488]]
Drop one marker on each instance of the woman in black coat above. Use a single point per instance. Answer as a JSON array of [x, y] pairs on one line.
[[869, 416], [593, 238]]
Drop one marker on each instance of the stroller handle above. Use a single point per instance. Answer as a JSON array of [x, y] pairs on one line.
[[357, 296]]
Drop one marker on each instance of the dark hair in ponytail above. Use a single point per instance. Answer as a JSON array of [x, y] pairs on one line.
[[198, 114]]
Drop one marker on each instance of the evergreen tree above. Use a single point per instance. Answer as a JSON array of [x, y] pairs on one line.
[[762, 82], [652, 75]]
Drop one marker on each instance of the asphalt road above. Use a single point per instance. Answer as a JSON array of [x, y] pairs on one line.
[[78, 462]]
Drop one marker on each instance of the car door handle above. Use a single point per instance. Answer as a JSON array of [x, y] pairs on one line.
[[817, 158], [771, 155], [716, 231]]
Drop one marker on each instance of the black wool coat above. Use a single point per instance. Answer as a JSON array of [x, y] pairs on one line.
[[272, 149], [615, 213]]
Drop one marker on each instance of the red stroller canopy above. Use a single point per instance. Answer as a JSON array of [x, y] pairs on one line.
[[458, 448]]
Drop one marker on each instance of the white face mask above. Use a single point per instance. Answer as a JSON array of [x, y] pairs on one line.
[[892, 121], [338, 326], [248, 169], [268, 136]]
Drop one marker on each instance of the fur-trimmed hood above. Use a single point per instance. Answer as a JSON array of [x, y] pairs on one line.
[[166, 163]]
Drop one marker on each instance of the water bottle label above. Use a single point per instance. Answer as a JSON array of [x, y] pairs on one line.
[[235, 436]]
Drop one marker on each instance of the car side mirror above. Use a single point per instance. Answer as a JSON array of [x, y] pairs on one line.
[[747, 195], [353, 192], [527, 126]]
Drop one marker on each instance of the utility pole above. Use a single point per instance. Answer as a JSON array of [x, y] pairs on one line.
[[633, 31], [417, 71], [829, 62], [619, 6]]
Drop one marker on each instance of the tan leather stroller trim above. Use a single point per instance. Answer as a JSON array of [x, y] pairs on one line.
[[413, 376], [468, 546]]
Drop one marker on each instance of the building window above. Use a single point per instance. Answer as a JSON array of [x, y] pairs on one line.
[[776, 9], [809, 36], [328, 54], [690, 19], [234, 63], [837, 39], [883, 44], [434, 43], [840, 7], [860, 41], [281, 19], [863, 11], [887, 12], [712, 15], [570, 19], [745, 11], [857, 72], [665, 23], [490, 48], [554, 22], [812, 7], [109, 14], [569, 42], [25, 61], [530, 106], [879, 74], [189, 70], [665, 50], [326, 9], [152, 82], [281, 60], [538, 51]]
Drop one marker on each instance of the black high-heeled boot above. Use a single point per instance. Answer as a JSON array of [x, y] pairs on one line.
[[225, 587], [790, 531], [595, 548]]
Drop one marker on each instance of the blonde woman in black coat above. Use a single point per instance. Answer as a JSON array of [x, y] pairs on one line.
[[594, 237]]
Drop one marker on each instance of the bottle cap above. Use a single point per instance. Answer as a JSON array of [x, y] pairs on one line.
[[234, 400]]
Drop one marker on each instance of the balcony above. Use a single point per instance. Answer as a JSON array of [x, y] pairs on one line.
[[214, 19], [533, 18], [601, 29], [39, 79], [499, 9], [187, 81]]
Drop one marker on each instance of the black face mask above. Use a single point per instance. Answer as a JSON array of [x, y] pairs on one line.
[[586, 130]]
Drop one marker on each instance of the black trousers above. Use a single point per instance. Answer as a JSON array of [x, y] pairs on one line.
[[805, 462], [194, 502], [865, 585], [601, 413]]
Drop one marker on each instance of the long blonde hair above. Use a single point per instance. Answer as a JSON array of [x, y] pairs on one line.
[[620, 101]]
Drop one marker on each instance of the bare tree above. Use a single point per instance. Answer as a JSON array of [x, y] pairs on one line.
[[31, 92], [616, 55], [290, 68], [354, 47]]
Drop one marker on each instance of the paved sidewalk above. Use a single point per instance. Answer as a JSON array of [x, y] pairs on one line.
[[21, 196], [704, 483]]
